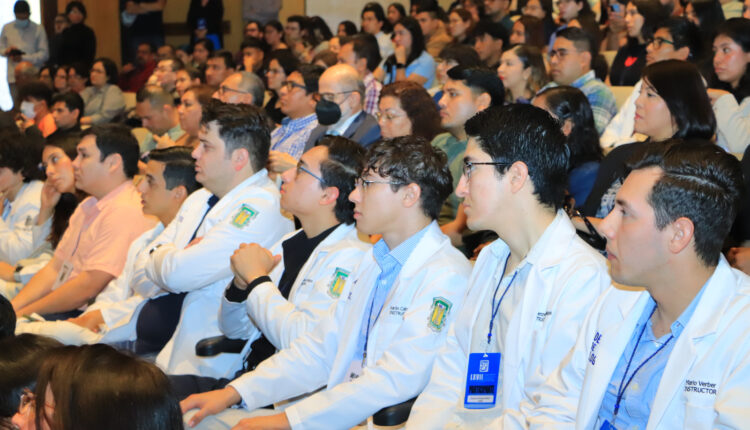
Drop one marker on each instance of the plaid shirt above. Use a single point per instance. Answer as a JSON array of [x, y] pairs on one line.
[[601, 99], [372, 93], [292, 134]]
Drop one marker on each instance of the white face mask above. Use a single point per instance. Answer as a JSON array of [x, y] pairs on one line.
[[27, 108]]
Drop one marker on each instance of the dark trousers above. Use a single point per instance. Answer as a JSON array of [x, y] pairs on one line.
[[185, 385]]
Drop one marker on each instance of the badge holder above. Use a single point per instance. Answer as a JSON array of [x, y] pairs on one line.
[[481, 380]]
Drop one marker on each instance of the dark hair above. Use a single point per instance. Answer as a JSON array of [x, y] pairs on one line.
[[327, 57], [465, 15], [179, 167], [681, 86], [76, 5], [568, 103], [493, 30], [7, 318], [253, 42], [150, 45], [116, 139], [462, 54], [737, 29], [287, 60], [226, 56], [241, 127], [399, 7], [21, 6], [342, 167], [684, 33], [365, 46], [418, 105], [20, 154], [585, 10], [36, 89], [68, 201], [531, 56], [699, 181], [417, 39], [375, 8], [412, 159], [275, 24], [155, 95], [710, 16], [582, 40], [521, 132], [52, 70], [319, 30], [533, 29], [80, 68], [480, 80], [72, 101], [110, 69], [208, 44], [20, 359], [653, 13], [350, 28], [310, 75], [90, 381]]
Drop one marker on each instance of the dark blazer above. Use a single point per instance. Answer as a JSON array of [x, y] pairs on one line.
[[364, 130]]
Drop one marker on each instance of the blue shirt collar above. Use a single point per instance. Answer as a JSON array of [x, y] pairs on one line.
[[385, 257], [678, 326]]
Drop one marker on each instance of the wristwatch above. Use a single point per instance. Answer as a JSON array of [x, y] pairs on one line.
[[400, 65], [17, 273]]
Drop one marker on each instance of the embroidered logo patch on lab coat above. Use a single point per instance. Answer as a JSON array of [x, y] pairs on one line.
[[244, 216], [440, 309], [337, 284]]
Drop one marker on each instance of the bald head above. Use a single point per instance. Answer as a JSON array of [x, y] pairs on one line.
[[242, 88], [341, 78]]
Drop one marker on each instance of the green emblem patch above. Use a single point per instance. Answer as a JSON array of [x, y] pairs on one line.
[[244, 216], [441, 307], [337, 284]]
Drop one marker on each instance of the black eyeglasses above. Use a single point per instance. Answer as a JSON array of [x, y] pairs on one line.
[[469, 166], [364, 184], [290, 85], [658, 42], [301, 168]]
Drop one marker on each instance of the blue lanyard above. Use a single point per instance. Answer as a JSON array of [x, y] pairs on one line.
[[496, 308], [621, 390], [369, 319]]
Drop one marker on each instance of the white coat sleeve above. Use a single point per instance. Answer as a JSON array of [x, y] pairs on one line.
[[437, 403], [400, 373], [17, 239], [732, 123], [234, 321], [620, 128]]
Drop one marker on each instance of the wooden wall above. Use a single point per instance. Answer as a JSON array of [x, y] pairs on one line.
[[104, 18]]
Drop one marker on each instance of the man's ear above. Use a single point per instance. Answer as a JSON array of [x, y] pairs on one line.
[[330, 195], [518, 173], [240, 158], [179, 193], [682, 231], [586, 58], [114, 163], [411, 194], [483, 101]]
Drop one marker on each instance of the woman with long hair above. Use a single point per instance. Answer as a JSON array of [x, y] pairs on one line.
[[410, 60], [522, 72], [406, 108], [641, 18]]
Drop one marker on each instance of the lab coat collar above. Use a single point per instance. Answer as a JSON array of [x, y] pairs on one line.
[[258, 179], [431, 240]]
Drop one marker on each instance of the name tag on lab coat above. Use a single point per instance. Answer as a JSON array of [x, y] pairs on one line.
[[481, 380]]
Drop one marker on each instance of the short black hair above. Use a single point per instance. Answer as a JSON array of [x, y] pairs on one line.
[[462, 54], [76, 5], [375, 8], [684, 33], [412, 159], [287, 60], [179, 166], [495, 31], [481, 80], [253, 42], [207, 43], [311, 75], [241, 126], [341, 169], [110, 69], [150, 45], [7, 318], [37, 90], [699, 181], [116, 139], [365, 46], [20, 154], [520, 132], [681, 86], [582, 40], [80, 68], [349, 27], [226, 56], [72, 101], [21, 6]]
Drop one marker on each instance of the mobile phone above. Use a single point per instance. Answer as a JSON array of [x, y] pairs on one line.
[[14, 52], [614, 7]]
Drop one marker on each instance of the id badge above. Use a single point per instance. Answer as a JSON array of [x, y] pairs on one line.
[[354, 371], [607, 426], [63, 274], [481, 380]]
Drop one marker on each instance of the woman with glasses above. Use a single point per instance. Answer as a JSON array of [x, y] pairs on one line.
[[281, 64], [730, 84], [406, 108], [103, 100], [461, 26], [641, 18], [410, 61], [96, 387]]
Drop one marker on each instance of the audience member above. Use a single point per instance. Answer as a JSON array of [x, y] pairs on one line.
[[22, 40], [158, 113], [36, 100], [186, 78], [541, 9], [528, 30], [165, 75], [339, 108], [450, 57], [143, 22], [204, 20], [522, 72], [641, 19], [281, 64], [77, 77], [409, 61], [369, 362], [56, 39], [202, 50], [78, 40], [92, 250], [103, 100], [60, 81], [253, 52], [325, 59], [489, 42], [134, 76], [346, 28], [273, 34], [406, 109], [253, 28], [707, 15], [361, 52], [190, 111], [394, 13], [571, 61], [24, 73], [165, 52], [242, 88], [498, 12], [67, 109], [374, 22], [461, 26], [218, 67], [46, 75], [430, 18]]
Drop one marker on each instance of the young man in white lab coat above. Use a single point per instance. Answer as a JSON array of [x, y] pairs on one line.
[[530, 289], [169, 179], [239, 204], [675, 354], [376, 348], [312, 265]]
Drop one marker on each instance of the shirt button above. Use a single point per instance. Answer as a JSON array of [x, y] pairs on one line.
[[635, 386]]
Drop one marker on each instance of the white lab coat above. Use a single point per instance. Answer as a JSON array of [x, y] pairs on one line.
[[714, 348], [119, 303], [16, 236], [400, 351], [565, 278], [619, 131], [283, 320], [732, 123], [203, 271]]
